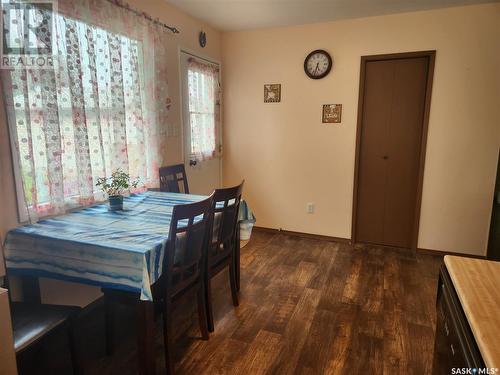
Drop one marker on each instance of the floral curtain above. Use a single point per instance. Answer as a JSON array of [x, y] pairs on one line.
[[102, 107], [204, 108]]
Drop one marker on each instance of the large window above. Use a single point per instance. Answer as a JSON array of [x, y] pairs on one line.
[[83, 119]]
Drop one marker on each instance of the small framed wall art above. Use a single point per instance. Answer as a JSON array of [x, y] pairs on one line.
[[272, 93], [332, 113]]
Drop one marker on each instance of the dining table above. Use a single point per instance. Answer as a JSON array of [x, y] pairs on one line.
[[118, 250]]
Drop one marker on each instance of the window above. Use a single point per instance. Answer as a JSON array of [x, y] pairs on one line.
[[81, 120], [204, 107]]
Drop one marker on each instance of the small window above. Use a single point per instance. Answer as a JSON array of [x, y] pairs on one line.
[[204, 108]]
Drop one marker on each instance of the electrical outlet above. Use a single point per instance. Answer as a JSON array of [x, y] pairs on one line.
[[310, 208]]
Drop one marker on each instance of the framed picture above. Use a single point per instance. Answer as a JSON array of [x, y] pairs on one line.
[[272, 93], [332, 113]]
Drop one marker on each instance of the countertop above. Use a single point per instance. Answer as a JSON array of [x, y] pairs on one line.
[[477, 283]]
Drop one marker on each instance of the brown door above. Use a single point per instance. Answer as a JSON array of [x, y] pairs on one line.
[[393, 105]]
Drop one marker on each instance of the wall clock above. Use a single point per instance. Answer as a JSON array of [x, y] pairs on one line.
[[318, 64]]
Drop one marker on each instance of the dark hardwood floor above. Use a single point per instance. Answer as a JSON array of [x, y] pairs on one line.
[[306, 307]]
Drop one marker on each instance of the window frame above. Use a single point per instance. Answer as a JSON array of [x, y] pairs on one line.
[[186, 113], [22, 209]]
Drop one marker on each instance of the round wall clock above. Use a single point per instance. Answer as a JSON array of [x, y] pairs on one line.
[[318, 64], [202, 38]]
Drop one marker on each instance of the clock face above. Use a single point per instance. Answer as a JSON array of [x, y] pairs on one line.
[[318, 64]]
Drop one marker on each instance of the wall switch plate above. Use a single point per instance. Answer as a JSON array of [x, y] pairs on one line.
[[310, 208]]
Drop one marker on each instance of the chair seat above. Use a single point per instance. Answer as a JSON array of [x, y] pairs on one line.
[[31, 322], [219, 262]]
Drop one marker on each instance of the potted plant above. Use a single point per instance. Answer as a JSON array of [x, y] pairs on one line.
[[115, 186]]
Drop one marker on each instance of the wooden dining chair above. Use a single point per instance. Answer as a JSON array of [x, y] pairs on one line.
[[171, 178], [221, 249], [185, 266], [34, 323], [183, 270]]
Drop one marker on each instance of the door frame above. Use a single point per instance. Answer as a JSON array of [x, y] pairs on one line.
[[197, 55], [431, 55]]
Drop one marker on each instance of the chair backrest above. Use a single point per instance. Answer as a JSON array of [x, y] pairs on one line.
[[186, 247], [225, 209], [170, 178]]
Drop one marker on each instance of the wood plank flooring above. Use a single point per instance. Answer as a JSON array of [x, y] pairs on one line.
[[308, 307]]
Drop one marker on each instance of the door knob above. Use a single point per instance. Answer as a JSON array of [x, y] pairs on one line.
[[192, 162]]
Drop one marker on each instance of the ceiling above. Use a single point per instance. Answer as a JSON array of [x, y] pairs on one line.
[[234, 15]]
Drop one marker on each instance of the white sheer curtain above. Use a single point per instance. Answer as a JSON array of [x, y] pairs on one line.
[[97, 110], [204, 109]]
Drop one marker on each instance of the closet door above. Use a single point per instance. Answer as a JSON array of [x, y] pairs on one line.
[[389, 150]]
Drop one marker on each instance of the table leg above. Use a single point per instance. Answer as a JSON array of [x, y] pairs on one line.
[[237, 258], [145, 337], [31, 289], [109, 318]]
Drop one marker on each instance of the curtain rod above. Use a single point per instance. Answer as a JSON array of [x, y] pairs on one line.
[[200, 58], [124, 5]]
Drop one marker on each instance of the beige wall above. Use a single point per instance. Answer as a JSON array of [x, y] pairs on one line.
[[288, 158], [54, 291], [7, 353], [8, 208]]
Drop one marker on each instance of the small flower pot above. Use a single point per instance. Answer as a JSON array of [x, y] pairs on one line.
[[116, 203]]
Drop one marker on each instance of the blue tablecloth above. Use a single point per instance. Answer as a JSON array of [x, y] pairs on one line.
[[121, 250]]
